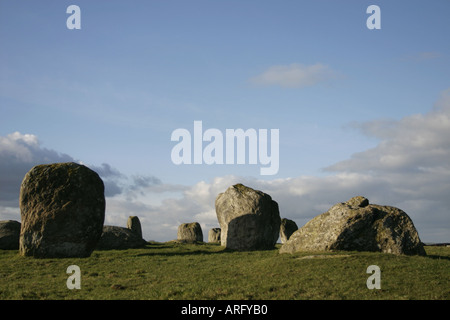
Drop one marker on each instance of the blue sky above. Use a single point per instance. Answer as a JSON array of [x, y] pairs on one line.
[[110, 95]]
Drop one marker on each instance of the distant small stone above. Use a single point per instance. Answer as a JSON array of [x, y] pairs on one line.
[[134, 225], [190, 232], [119, 238], [287, 228], [9, 235], [214, 235]]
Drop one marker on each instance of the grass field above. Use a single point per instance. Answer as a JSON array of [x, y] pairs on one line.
[[174, 271]]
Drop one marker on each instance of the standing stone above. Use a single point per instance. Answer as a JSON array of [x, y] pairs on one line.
[[62, 208], [360, 226], [287, 228], [249, 219], [214, 235], [134, 225], [9, 235], [190, 232]]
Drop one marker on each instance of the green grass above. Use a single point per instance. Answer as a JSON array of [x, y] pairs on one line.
[[207, 271]]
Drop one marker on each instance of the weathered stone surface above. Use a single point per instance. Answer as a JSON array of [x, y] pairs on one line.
[[249, 219], [358, 201], [190, 232], [134, 224], [358, 225], [287, 228], [214, 235], [62, 209], [9, 235], [119, 238]]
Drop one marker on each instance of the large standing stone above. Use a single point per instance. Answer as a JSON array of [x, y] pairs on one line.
[[214, 235], [119, 238], [9, 235], [287, 228], [134, 224], [358, 225], [249, 219], [63, 208], [190, 232]]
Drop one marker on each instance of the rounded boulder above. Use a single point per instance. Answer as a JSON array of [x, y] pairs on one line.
[[190, 232], [249, 219], [9, 235], [62, 209], [357, 225]]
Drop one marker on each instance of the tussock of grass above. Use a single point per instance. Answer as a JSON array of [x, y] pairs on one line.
[[206, 271]]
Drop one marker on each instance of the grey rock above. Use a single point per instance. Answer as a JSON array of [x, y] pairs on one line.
[[119, 238], [190, 232], [249, 219], [9, 235], [360, 226], [134, 224], [62, 208], [287, 228], [358, 201], [214, 235]]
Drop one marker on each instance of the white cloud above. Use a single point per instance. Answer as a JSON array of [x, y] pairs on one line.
[[18, 154], [414, 144], [294, 75]]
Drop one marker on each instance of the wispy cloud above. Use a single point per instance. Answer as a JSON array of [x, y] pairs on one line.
[[294, 75], [423, 56]]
